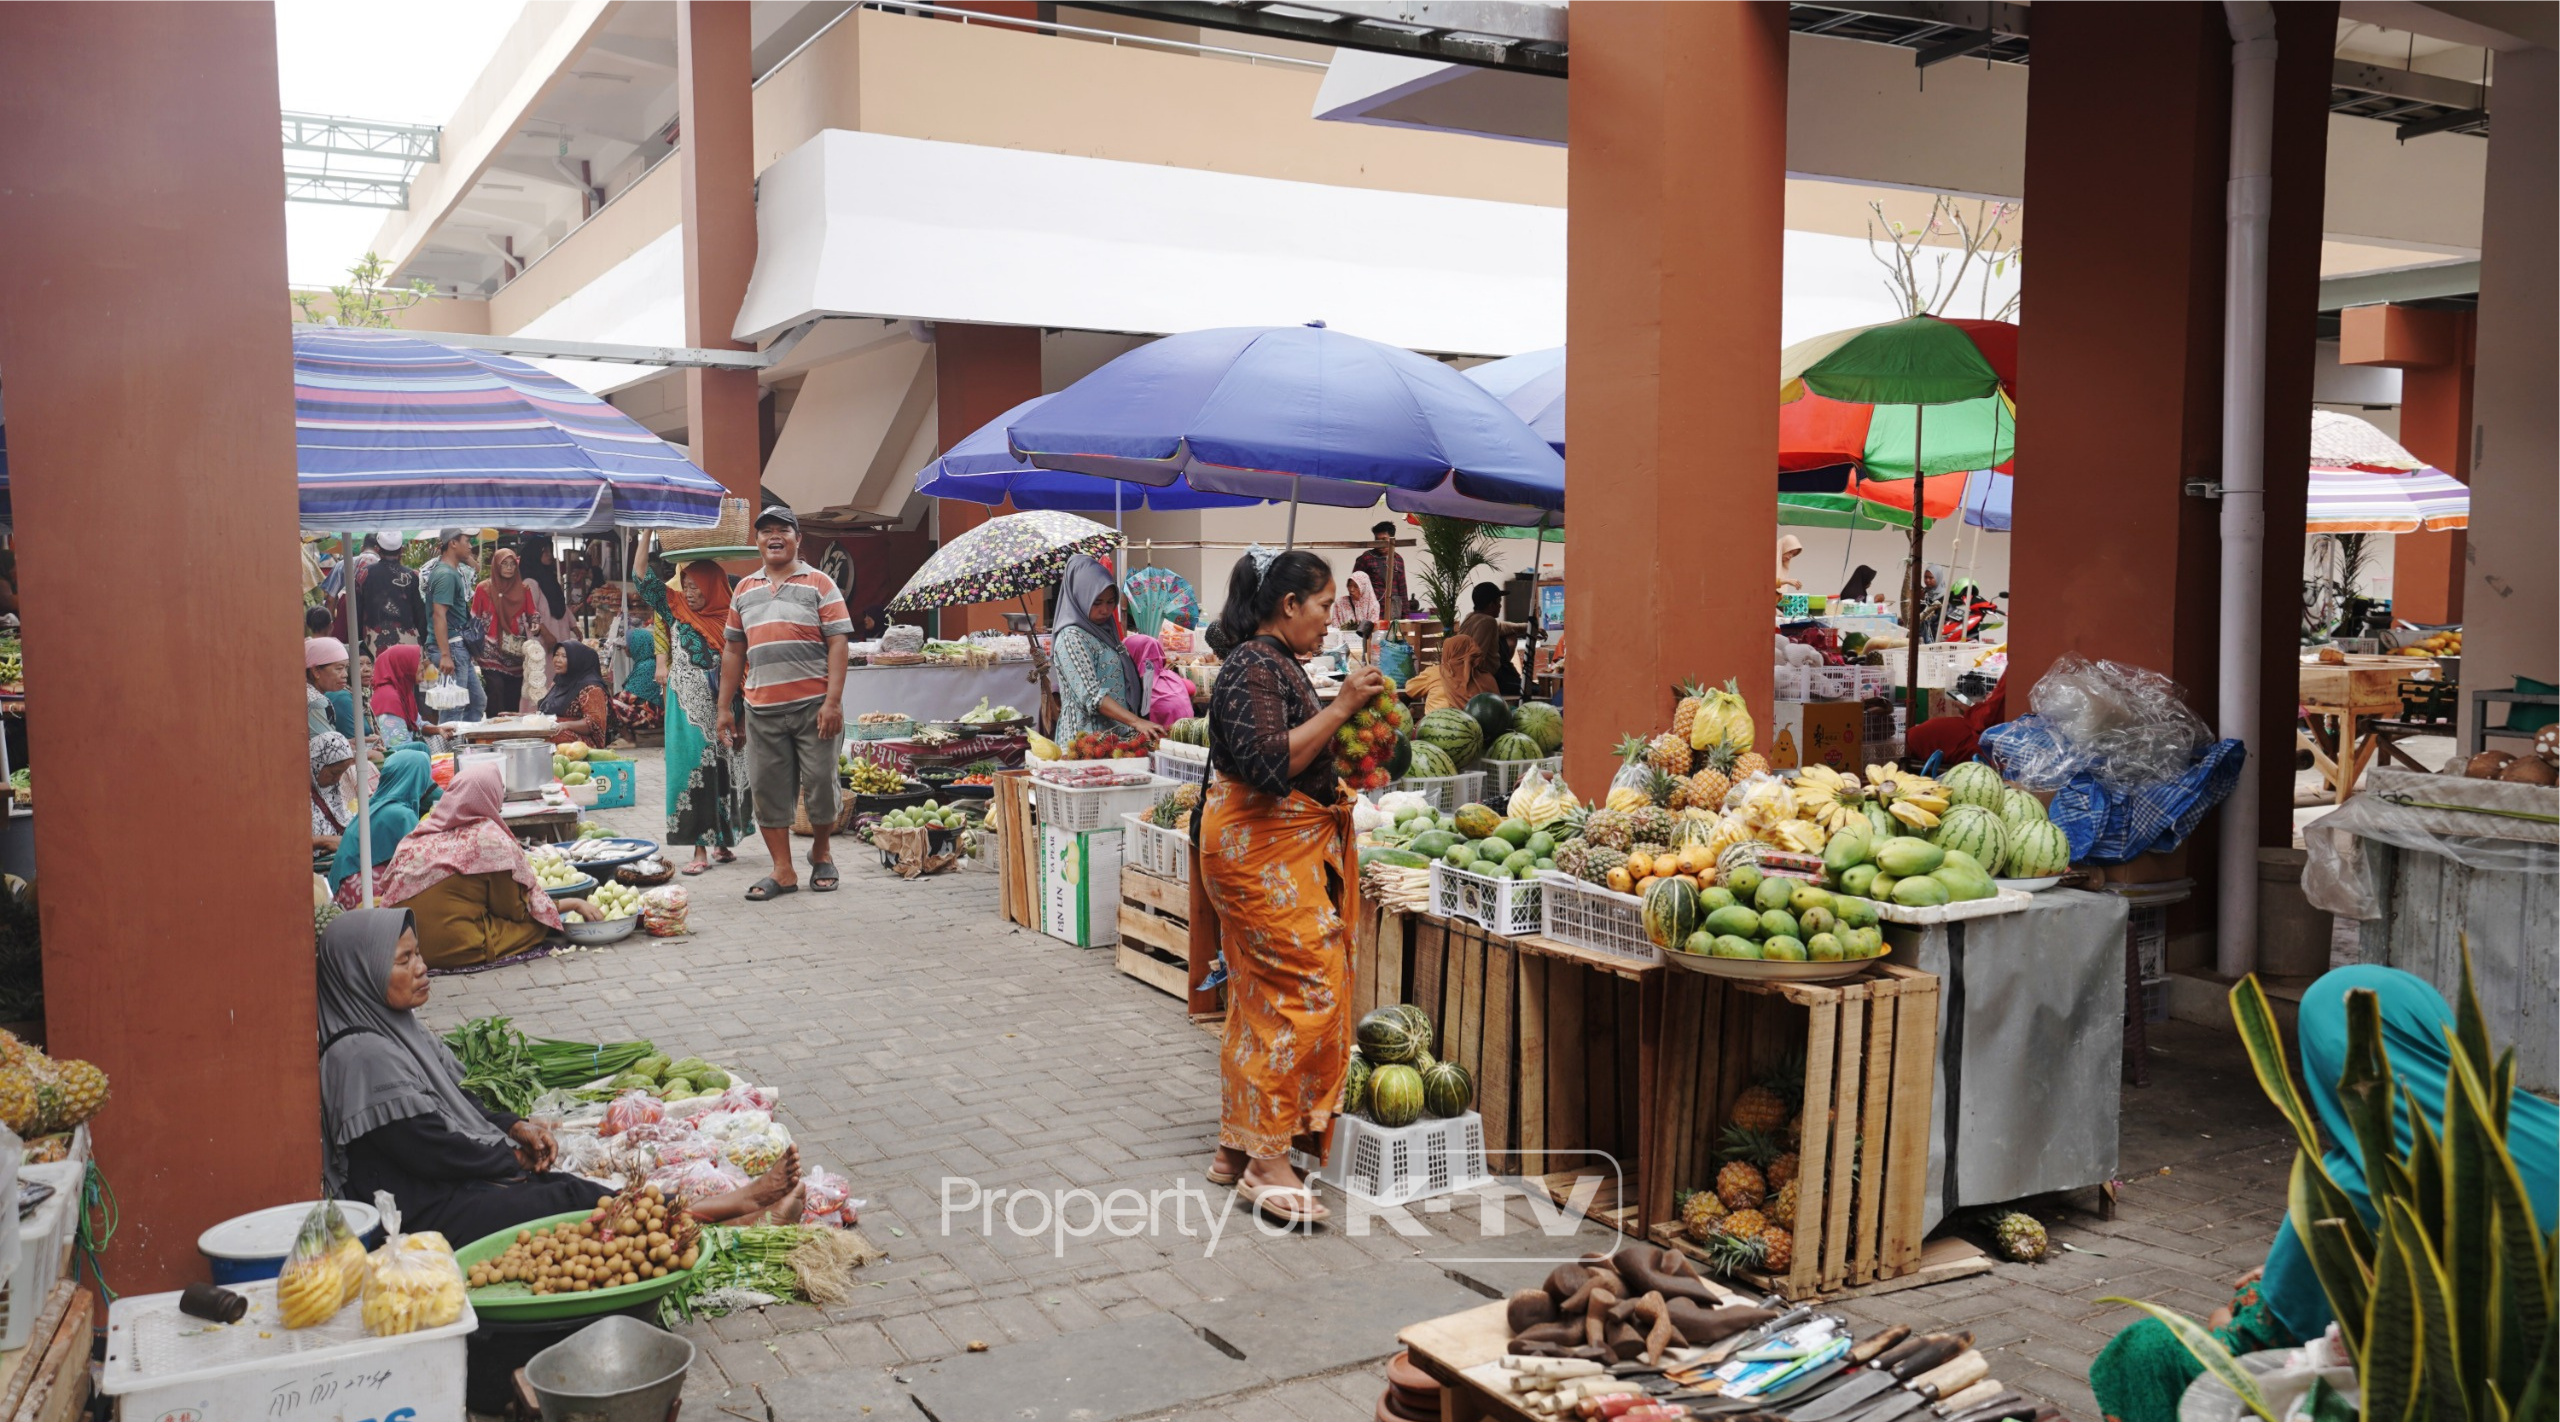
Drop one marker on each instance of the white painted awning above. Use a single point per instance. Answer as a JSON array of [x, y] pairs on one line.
[[863, 224]]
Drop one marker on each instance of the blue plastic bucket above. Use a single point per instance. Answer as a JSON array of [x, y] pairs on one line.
[[253, 1246]]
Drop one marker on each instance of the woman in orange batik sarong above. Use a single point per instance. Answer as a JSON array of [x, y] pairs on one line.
[[1275, 880]]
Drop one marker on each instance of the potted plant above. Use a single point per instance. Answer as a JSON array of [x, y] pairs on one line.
[[1454, 549]]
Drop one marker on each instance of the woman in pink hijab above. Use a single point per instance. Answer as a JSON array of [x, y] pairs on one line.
[[1168, 691]]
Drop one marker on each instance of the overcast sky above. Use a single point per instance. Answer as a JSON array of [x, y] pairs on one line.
[[399, 61]]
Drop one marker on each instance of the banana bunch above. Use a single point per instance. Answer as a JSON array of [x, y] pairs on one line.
[[1908, 796], [1829, 798], [1723, 718]]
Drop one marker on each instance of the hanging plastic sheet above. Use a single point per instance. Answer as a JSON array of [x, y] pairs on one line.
[[2480, 824]]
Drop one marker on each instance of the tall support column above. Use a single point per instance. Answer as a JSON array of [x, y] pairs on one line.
[[1677, 186], [715, 106], [150, 389], [2432, 350], [979, 372]]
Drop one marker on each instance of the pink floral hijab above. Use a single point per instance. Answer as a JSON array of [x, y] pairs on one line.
[[1358, 603], [463, 835]]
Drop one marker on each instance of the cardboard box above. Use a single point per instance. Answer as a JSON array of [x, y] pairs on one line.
[[1080, 886], [1803, 733]]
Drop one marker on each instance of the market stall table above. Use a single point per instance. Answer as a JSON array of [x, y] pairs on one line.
[[2358, 692], [939, 691]]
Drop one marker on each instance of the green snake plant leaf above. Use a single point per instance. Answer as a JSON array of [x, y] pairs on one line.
[[2334, 1237], [2502, 1091], [2541, 1395], [2389, 1368], [2325, 1405], [2425, 1165], [2473, 1156], [2365, 1093], [2446, 1400], [2208, 1350], [2265, 1041], [2518, 1288], [2470, 1027]]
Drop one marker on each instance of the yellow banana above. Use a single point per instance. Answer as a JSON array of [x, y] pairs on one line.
[[1912, 815]]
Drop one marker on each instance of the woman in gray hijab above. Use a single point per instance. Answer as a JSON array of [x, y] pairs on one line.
[[1098, 681], [397, 1117]]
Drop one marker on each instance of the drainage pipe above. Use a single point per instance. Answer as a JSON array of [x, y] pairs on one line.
[[2244, 484]]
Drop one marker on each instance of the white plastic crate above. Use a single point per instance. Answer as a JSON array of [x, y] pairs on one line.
[[1398, 1165], [44, 1252], [1593, 916], [1445, 793], [1942, 662], [1079, 808], [1502, 776], [2155, 999], [1831, 684], [1505, 906], [1175, 761], [163, 1364], [1789, 682], [1153, 849], [2147, 925]]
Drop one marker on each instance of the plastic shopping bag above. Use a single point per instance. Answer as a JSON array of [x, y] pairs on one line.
[[324, 1270], [413, 1282]]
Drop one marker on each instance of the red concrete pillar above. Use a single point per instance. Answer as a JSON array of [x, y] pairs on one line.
[[715, 106], [150, 385], [979, 372], [1677, 185], [2433, 352]]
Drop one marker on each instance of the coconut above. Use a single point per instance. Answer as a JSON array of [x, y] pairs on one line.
[[2486, 765], [2529, 770]]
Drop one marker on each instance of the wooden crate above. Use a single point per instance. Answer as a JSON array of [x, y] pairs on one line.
[[48, 1379], [1017, 849], [1155, 932], [1870, 1049]]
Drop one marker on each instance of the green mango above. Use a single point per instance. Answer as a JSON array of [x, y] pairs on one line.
[[1825, 948], [1734, 920], [1774, 893], [1545, 863], [1880, 888], [1855, 912], [1513, 832], [1806, 897], [1778, 923], [1857, 880], [1713, 898], [1919, 891], [1733, 946], [1870, 942], [1957, 858], [1847, 849], [1541, 844], [1783, 949], [1701, 943], [1459, 856], [711, 1079], [1902, 856], [1518, 860], [1963, 884], [1744, 881], [1817, 919]]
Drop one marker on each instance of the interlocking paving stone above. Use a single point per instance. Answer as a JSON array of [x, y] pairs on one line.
[[1117, 1370], [1319, 1325]]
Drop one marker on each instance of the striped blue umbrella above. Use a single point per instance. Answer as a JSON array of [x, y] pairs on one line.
[[395, 431]]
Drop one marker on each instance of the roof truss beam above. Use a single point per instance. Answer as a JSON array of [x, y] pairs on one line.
[[1417, 29]]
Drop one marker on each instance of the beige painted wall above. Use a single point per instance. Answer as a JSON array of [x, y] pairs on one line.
[[468, 316], [640, 215]]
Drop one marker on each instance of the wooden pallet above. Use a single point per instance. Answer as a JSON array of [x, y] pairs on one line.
[[48, 1379], [1870, 1048], [1611, 1200], [1941, 1260], [1155, 937], [1017, 849]]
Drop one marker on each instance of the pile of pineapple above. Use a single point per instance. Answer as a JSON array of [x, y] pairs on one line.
[[40, 1096], [1692, 799], [1737, 1220]]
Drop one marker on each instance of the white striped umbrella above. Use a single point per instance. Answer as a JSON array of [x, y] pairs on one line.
[[2350, 501]]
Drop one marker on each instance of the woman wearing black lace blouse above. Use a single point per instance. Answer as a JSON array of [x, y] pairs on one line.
[[1276, 879]]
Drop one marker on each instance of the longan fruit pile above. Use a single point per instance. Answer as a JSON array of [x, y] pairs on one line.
[[629, 1239]]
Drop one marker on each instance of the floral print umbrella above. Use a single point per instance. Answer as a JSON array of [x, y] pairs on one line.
[[1002, 558]]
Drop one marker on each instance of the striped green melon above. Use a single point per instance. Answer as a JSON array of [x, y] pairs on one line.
[[1387, 1037], [2036, 850], [1355, 1086], [1395, 1096], [1977, 832], [1512, 745], [1429, 762], [1452, 731], [1541, 722], [1447, 1090], [1670, 913], [1422, 1033], [1973, 783], [2017, 807]]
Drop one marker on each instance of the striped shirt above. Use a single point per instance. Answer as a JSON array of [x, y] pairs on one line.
[[784, 629]]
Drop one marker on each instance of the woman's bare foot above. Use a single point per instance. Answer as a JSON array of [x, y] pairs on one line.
[[765, 1193], [701, 862], [786, 1210]]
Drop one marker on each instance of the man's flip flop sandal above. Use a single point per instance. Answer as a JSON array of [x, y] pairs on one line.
[[1277, 1202], [766, 888], [822, 877]]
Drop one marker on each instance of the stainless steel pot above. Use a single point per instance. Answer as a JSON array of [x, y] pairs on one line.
[[525, 765]]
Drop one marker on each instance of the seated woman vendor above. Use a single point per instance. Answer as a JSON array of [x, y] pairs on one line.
[[2144, 1371], [577, 698], [468, 882], [397, 1118]]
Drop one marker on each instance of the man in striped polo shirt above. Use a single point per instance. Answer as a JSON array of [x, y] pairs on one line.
[[788, 631]]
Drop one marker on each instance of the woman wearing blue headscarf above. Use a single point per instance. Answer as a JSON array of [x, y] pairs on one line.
[[393, 810], [2144, 1371]]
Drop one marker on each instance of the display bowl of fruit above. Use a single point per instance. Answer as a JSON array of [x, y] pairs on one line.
[[1767, 928], [542, 1271], [557, 876], [620, 906], [2030, 886]]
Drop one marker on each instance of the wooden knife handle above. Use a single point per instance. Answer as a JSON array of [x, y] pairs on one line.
[[1911, 1343], [1968, 1368], [1971, 1397], [1933, 1351], [1867, 1350]]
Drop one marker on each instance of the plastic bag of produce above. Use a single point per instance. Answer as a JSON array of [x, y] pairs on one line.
[[747, 1098], [827, 1199], [663, 911], [693, 1179], [413, 1282], [631, 1108], [323, 1271]]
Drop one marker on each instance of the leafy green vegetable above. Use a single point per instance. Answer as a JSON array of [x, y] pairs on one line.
[[508, 1070]]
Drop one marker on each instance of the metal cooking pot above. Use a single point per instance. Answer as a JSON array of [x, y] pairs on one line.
[[525, 765]]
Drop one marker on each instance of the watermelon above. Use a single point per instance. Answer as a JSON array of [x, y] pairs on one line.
[[1976, 831], [1355, 1086], [1400, 761], [1428, 761], [1511, 745], [2036, 850], [1973, 783], [1447, 1090], [1540, 721], [1670, 913], [1387, 1036], [1395, 1096], [2017, 807], [1491, 712], [1452, 731]]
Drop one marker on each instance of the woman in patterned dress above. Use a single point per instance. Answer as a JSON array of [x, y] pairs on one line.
[[706, 780], [1100, 688], [1276, 881]]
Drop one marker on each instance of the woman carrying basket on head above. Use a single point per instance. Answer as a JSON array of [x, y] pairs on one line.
[[1276, 881]]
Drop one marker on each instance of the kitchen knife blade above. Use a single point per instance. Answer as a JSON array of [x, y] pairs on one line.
[[1967, 1369], [2006, 1405], [1914, 1356]]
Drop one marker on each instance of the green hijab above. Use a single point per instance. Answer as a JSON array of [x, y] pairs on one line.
[[407, 778]]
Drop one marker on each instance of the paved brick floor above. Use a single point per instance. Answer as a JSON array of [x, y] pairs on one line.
[[916, 1036]]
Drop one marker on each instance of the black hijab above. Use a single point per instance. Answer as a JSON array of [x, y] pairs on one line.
[[584, 671]]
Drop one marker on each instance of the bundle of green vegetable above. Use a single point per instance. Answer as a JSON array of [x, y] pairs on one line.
[[508, 1070], [813, 1263]]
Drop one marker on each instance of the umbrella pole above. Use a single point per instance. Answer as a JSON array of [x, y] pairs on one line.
[[355, 661], [1911, 596], [1293, 511]]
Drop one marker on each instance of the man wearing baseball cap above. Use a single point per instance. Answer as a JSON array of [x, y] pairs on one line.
[[787, 636]]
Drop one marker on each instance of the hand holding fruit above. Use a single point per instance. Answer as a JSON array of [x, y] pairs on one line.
[[1363, 686]]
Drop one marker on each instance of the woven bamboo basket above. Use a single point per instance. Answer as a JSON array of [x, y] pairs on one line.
[[734, 530]]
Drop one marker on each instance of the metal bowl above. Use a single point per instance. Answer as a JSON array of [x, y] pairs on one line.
[[611, 930], [1764, 970]]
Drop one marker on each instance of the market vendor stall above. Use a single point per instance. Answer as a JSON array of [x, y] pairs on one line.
[[938, 691]]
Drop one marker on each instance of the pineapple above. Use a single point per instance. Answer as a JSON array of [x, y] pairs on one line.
[[1746, 1224], [1652, 825], [1658, 786], [2020, 1237], [1611, 829], [1712, 777], [1750, 763], [1777, 1250], [1741, 1186], [1700, 1211], [1783, 1205], [83, 1091], [1669, 754], [1569, 827], [1573, 857], [1782, 1171], [19, 1103], [1693, 699], [1602, 861], [1758, 1147], [1758, 1109], [1729, 1253], [14, 1052]]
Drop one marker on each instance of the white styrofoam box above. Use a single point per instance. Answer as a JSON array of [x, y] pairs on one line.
[[44, 1249], [1593, 916], [1175, 761], [167, 1367], [1099, 807], [1080, 885], [1397, 1165], [1445, 793], [1508, 907], [1503, 776], [1153, 849]]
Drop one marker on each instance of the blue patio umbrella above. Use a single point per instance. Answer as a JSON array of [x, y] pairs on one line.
[[1986, 499], [1530, 385], [982, 470], [1299, 413]]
